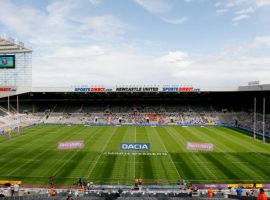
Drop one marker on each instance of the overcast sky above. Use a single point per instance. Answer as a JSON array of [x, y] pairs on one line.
[[112, 42]]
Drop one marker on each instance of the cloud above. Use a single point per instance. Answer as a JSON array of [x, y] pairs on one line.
[[105, 65], [245, 11], [102, 27], [262, 41], [61, 23], [155, 6], [240, 17], [95, 2], [260, 44], [221, 11], [244, 8], [161, 7], [176, 57], [69, 49], [13, 18], [255, 3], [176, 21], [262, 3], [94, 64]]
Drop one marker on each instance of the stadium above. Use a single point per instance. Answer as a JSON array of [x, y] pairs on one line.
[[129, 141]]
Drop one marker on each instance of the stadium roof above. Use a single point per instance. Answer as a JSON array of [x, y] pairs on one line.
[[11, 46]]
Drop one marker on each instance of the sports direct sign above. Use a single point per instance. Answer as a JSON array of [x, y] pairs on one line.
[[135, 146], [196, 146], [71, 145]]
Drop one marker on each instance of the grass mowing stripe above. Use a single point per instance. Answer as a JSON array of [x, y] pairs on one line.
[[24, 132], [148, 170], [117, 164], [23, 141], [234, 168], [247, 169], [179, 154], [193, 157], [155, 165], [162, 171], [169, 156], [71, 154], [197, 157], [264, 157], [123, 169], [10, 163], [251, 145], [242, 168], [24, 167], [259, 170], [220, 147], [236, 157], [247, 142], [89, 171], [222, 163]]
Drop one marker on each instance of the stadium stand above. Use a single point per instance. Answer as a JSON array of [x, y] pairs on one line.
[[153, 109], [212, 108]]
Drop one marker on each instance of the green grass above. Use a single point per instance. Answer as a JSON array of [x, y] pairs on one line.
[[33, 156]]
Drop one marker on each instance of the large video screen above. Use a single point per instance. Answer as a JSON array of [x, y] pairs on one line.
[[7, 61]]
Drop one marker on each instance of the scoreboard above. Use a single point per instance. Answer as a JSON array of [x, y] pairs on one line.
[[7, 61]]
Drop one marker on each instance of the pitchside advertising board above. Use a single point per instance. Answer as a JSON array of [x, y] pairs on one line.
[[135, 146], [226, 186], [7, 61], [138, 89]]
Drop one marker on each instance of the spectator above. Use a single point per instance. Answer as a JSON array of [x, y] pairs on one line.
[[12, 190], [254, 185], [88, 185], [210, 193], [239, 191], [184, 183], [52, 179], [52, 191], [16, 189], [84, 185], [262, 195], [69, 197], [80, 182], [190, 191], [1, 194]]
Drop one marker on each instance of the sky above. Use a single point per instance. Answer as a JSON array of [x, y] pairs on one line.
[[215, 43]]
